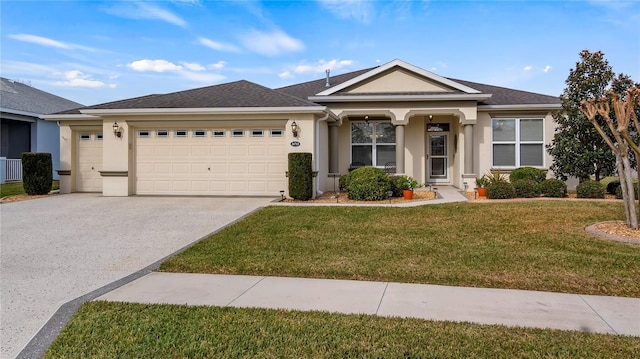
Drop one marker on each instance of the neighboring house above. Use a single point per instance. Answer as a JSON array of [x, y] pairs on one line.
[[233, 139], [22, 129]]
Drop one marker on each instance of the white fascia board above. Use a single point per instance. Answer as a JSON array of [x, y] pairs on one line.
[[381, 98], [550, 106], [204, 111], [407, 66], [74, 117]]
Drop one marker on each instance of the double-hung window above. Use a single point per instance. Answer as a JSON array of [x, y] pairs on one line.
[[373, 143], [518, 142]]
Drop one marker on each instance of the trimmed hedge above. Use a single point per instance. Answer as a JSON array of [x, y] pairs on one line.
[[531, 173], [553, 187], [590, 189], [37, 172], [619, 191], [343, 182], [500, 190], [612, 187], [300, 176], [368, 184], [526, 188]]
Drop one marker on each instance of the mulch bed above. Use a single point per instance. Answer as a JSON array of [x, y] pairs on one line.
[[341, 197]]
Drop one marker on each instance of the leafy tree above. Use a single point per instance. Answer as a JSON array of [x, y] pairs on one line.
[[578, 150]]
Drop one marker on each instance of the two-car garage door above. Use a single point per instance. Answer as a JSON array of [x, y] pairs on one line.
[[226, 161]]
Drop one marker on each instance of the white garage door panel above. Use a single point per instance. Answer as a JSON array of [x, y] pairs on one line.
[[210, 166], [89, 163]]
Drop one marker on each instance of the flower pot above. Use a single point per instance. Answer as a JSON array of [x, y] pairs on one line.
[[482, 192], [407, 194]]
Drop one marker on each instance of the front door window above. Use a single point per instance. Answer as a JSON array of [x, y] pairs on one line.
[[438, 155]]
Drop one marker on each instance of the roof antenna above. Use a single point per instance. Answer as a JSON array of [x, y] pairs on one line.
[[327, 71]]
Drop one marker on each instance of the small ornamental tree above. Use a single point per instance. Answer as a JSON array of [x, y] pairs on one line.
[[37, 168], [620, 141]]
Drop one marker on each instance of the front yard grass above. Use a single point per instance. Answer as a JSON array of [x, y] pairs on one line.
[[15, 188], [532, 245], [117, 330]]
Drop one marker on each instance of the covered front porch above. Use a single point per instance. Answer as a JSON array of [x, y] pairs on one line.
[[435, 145]]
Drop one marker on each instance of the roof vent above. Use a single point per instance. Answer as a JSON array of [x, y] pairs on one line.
[[327, 71]]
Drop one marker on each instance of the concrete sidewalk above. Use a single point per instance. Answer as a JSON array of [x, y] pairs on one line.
[[587, 313]]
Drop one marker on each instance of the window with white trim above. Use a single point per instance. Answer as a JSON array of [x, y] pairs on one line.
[[373, 143], [85, 136], [99, 136], [180, 133], [162, 133], [277, 132], [257, 133], [199, 133], [143, 133], [517, 142], [218, 133], [237, 133]]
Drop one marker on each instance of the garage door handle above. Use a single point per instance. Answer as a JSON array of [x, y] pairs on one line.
[[91, 167], [209, 168]]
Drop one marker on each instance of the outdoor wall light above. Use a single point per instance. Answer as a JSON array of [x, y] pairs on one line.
[[116, 130], [294, 128]]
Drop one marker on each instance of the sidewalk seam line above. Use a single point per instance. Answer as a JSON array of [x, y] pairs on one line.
[[243, 293], [598, 314], [382, 297]]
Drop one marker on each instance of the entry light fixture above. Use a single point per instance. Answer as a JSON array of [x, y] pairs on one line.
[[116, 130], [294, 128], [430, 118]]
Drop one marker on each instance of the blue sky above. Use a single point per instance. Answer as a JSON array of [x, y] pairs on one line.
[[98, 51]]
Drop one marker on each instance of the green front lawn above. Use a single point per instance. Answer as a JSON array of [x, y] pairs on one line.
[[15, 188], [533, 245], [117, 330]]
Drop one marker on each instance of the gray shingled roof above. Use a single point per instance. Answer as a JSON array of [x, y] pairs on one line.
[[229, 95], [500, 95], [23, 98]]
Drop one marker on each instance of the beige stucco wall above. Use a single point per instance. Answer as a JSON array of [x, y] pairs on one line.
[[399, 81]]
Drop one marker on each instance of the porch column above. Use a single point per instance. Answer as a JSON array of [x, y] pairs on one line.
[[468, 149], [400, 149], [333, 147]]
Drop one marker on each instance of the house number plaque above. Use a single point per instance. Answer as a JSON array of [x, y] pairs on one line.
[[295, 143]]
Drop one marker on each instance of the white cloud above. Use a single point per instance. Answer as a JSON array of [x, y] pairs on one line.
[[219, 46], [547, 68], [202, 77], [45, 41], [76, 78], [193, 66], [154, 65], [145, 10], [321, 66], [359, 10], [528, 68], [218, 65], [271, 44], [285, 75]]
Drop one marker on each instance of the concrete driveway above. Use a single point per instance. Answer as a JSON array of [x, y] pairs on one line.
[[56, 249]]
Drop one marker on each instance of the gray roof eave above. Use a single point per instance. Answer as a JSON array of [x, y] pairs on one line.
[[537, 106], [375, 98]]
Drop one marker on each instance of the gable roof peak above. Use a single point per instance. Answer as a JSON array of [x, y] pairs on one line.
[[402, 64]]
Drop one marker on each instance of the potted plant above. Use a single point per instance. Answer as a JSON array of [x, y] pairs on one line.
[[481, 185], [407, 184]]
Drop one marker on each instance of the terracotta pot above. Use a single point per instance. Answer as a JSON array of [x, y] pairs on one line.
[[482, 192], [407, 194]]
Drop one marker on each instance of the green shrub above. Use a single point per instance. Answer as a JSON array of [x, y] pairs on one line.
[[393, 186], [37, 172], [368, 184], [553, 187], [612, 187], [531, 173], [343, 182], [300, 176], [407, 183], [500, 190], [619, 191], [526, 188], [590, 189]]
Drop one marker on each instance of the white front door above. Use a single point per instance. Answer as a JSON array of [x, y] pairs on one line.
[[437, 157]]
